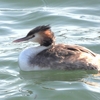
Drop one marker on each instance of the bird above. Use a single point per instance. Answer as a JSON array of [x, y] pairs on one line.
[[51, 56]]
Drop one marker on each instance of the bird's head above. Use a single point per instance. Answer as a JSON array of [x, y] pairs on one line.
[[41, 34]]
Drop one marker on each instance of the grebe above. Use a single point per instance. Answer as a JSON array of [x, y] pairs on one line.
[[55, 56]]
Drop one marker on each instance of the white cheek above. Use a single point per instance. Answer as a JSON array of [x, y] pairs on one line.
[[34, 40], [37, 38]]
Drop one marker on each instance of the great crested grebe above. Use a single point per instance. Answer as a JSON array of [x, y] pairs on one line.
[[55, 56]]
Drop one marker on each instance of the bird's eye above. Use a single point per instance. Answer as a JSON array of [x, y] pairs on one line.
[[33, 35]]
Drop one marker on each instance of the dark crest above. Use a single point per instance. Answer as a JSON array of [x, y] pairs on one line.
[[39, 28]]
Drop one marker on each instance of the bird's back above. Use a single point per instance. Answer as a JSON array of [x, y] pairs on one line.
[[67, 57]]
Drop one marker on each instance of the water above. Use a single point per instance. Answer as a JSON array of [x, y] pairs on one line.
[[73, 22]]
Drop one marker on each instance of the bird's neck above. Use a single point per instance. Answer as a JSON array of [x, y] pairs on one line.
[[27, 54], [47, 40]]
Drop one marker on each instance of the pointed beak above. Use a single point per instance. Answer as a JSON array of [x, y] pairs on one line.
[[21, 39]]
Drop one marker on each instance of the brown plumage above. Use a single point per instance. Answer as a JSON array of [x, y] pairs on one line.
[[67, 57]]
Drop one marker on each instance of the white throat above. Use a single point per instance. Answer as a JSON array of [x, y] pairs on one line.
[[26, 54]]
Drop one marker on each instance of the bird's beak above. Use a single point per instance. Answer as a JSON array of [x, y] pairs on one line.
[[21, 39]]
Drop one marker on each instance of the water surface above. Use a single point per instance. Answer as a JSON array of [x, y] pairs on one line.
[[73, 22]]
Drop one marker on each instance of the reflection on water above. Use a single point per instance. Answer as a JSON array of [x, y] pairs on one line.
[[54, 75]]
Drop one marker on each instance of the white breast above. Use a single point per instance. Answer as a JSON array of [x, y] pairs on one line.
[[26, 54]]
